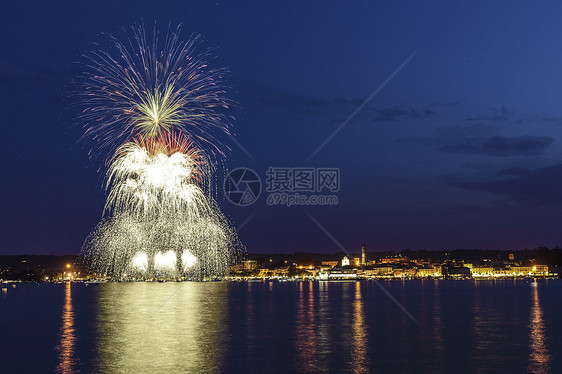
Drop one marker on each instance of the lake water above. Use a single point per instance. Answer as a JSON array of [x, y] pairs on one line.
[[501, 326]]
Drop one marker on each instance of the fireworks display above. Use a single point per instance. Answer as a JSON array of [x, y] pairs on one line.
[[156, 107], [148, 87], [157, 177]]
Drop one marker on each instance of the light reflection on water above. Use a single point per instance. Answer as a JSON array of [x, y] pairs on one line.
[[323, 332], [306, 327], [540, 357], [67, 359], [360, 358], [161, 328], [306, 330]]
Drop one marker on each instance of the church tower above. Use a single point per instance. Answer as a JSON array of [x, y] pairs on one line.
[[363, 255]]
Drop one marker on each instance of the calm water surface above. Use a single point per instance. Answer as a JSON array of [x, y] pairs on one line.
[[503, 326]]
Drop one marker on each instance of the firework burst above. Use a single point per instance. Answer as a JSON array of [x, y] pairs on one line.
[[157, 107], [155, 177], [147, 87]]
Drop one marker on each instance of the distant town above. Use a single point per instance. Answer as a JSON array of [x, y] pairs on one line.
[[407, 264]]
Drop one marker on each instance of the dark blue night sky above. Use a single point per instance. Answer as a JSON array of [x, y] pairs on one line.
[[461, 149]]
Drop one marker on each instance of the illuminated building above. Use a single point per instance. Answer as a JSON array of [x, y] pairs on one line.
[[530, 270], [428, 272], [540, 269], [514, 271], [482, 271], [348, 274], [379, 271], [363, 255], [250, 265]]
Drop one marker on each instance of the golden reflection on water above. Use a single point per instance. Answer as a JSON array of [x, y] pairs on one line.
[[307, 342], [360, 357], [67, 360], [323, 331], [314, 342], [159, 328], [540, 357]]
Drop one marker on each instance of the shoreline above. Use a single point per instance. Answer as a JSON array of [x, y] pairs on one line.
[[276, 280]]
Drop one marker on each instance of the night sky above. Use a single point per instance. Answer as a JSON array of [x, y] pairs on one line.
[[461, 149]]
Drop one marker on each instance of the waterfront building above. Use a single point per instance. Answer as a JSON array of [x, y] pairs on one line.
[[385, 270], [378, 271], [482, 271], [426, 272], [540, 270], [438, 270], [343, 274], [530, 270], [411, 272]]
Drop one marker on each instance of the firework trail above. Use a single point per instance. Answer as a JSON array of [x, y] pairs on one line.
[[157, 108]]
